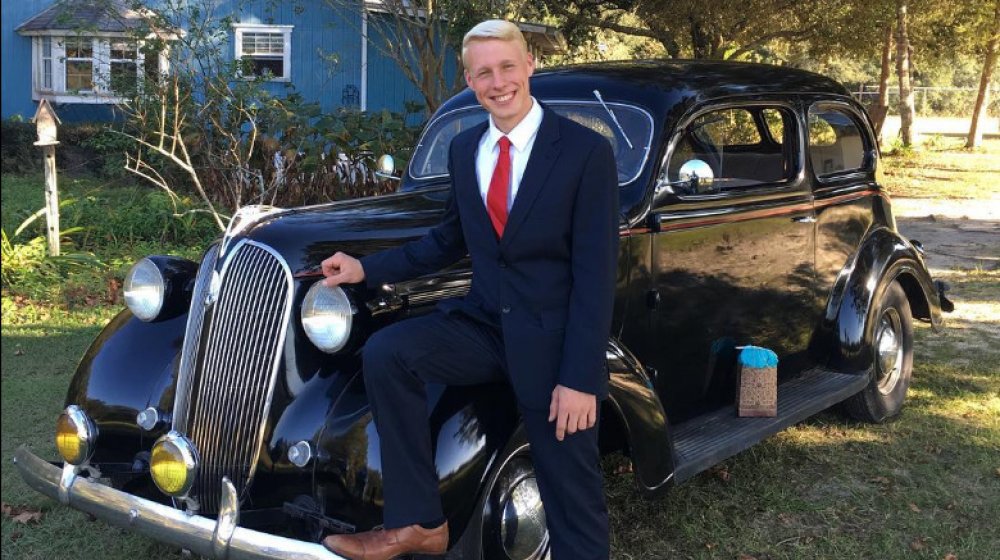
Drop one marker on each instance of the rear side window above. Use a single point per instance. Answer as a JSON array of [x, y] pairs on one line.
[[836, 144], [745, 147]]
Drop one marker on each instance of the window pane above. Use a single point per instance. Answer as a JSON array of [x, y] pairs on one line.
[[47, 47], [835, 142], [123, 77], [260, 65], [730, 127], [47, 73], [123, 50], [79, 75], [78, 47], [263, 43], [731, 143]]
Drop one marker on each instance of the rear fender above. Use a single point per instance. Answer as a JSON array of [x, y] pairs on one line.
[[884, 256]]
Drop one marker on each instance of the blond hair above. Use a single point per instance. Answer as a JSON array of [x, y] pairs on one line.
[[493, 29]]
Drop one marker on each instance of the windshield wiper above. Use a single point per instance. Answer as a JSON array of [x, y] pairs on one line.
[[597, 94]]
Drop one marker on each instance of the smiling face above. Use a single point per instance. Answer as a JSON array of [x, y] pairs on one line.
[[498, 71]]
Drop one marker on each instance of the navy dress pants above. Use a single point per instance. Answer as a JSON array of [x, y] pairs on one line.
[[454, 349]]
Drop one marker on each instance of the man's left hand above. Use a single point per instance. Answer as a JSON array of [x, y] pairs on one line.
[[572, 411]]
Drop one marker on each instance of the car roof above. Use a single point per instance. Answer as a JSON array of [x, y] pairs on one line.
[[664, 83]]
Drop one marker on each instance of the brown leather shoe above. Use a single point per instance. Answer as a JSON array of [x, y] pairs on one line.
[[385, 544]]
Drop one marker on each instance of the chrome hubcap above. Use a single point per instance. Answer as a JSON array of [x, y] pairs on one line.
[[889, 350], [522, 523]]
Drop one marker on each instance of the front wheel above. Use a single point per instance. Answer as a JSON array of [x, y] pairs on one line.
[[892, 357], [510, 521]]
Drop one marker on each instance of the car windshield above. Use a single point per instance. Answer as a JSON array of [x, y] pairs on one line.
[[631, 149]]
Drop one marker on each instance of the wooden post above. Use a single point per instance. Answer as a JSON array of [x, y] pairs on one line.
[[46, 122]]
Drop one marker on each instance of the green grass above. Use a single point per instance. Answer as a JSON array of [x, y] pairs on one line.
[[943, 168], [925, 485]]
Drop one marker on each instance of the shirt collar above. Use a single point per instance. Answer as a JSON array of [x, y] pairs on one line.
[[521, 134]]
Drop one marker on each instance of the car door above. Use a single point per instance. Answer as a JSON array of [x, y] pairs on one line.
[[732, 258]]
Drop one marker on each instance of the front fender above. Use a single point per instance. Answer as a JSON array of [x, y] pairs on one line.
[[883, 256], [469, 428], [129, 367]]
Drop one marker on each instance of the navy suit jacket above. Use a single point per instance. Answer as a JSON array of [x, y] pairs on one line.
[[549, 282]]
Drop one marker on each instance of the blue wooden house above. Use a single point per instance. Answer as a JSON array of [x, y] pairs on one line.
[[71, 57]]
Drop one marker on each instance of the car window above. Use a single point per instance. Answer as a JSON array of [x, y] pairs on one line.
[[835, 141], [430, 159], [742, 145]]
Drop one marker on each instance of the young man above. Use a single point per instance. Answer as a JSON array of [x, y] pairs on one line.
[[534, 202]]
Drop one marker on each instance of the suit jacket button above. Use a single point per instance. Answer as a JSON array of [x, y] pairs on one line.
[[506, 309]]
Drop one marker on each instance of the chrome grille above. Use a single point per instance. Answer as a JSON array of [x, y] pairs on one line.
[[236, 369], [196, 318]]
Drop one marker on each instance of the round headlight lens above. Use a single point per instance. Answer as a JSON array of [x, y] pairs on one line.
[[326, 317], [173, 464], [75, 435], [144, 290]]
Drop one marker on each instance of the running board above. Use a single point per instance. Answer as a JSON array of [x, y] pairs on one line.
[[703, 441]]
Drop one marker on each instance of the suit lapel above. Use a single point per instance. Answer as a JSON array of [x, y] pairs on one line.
[[467, 179], [540, 164]]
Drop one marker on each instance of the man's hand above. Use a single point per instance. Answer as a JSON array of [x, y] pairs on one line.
[[572, 411], [342, 269]]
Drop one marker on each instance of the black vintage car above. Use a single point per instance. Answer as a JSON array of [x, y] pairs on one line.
[[224, 412]]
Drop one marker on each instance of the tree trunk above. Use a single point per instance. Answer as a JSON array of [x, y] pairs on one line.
[[881, 107], [975, 136], [906, 107]]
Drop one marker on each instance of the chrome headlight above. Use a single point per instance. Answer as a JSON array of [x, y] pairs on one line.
[[327, 316], [173, 464], [75, 435], [159, 287], [144, 290]]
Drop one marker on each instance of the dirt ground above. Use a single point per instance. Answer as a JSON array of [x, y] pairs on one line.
[[957, 234]]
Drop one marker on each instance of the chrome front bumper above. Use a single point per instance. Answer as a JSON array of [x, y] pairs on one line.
[[223, 539]]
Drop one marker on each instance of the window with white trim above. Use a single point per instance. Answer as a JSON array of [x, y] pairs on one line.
[[79, 64], [90, 69], [45, 58], [265, 50]]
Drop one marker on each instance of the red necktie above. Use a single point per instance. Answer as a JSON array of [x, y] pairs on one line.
[[496, 197]]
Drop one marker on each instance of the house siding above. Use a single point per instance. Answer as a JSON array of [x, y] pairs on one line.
[[318, 30]]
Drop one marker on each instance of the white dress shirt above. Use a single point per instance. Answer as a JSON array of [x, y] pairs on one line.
[[522, 138]]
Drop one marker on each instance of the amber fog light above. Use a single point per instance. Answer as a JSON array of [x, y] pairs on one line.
[[173, 464], [75, 435]]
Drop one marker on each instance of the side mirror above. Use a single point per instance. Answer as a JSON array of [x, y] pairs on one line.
[[386, 168], [697, 174], [694, 176]]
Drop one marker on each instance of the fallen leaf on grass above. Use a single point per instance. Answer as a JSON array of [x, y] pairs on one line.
[[880, 480], [722, 473], [23, 515], [710, 545], [18, 351], [950, 556], [997, 472], [914, 508], [14, 535], [747, 557], [918, 543]]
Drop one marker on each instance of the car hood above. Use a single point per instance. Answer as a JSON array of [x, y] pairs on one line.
[[305, 236]]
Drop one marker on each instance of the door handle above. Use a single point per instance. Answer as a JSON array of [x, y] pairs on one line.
[[804, 219]]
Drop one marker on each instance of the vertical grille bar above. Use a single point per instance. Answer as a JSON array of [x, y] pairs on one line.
[[192, 336], [236, 369]]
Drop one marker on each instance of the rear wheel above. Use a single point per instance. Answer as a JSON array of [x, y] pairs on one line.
[[892, 357], [510, 521]]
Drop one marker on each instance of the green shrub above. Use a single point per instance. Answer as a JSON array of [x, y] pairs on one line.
[[17, 151]]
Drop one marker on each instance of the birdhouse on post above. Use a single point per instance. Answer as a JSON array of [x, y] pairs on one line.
[[46, 121]]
